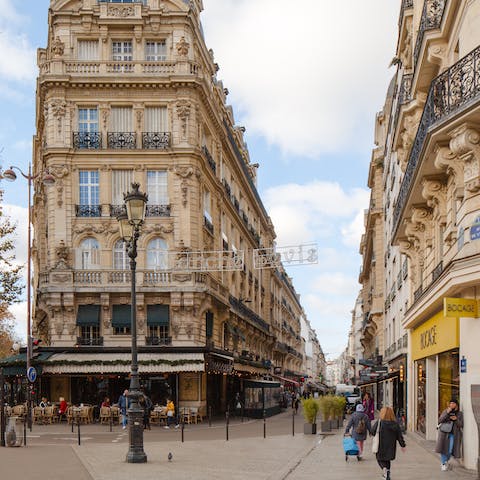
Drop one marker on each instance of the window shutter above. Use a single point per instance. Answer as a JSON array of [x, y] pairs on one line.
[[122, 183], [121, 119], [156, 119], [88, 49]]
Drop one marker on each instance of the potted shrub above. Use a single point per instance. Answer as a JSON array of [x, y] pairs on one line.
[[325, 409], [339, 409], [310, 410]]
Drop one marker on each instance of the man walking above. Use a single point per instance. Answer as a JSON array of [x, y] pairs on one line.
[[123, 404]]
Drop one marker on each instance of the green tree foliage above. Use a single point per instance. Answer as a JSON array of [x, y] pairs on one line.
[[10, 281]]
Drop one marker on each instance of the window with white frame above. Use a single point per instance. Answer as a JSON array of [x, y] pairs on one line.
[[156, 51], [87, 120], [89, 254], [121, 119], [121, 184], [207, 205], [122, 51], [156, 119], [88, 50], [120, 257], [157, 254], [89, 187], [157, 187]]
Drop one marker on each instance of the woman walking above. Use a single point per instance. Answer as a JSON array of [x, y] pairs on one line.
[[360, 425], [389, 433], [369, 406], [449, 441]]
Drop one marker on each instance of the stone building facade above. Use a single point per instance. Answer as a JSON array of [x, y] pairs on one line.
[[128, 92]]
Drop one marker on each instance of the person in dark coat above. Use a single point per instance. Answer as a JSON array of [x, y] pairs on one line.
[[450, 444], [389, 434], [359, 429], [369, 406]]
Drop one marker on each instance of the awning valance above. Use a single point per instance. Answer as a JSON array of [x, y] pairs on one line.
[[121, 315], [104, 363], [88, 315], [287, 380], [260, 384], [158, 315]]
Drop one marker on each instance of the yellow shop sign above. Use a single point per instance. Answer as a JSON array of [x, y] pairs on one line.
[[460, 307], [438, 334]]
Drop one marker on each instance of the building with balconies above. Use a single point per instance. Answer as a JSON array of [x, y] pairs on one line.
[[128, 92], [435, 221]]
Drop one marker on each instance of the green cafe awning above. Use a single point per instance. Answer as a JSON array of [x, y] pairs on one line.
[[17, 364], [158, 315], [121, 316], [88, 315]]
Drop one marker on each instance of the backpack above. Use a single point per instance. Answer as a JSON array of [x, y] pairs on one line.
[[361, 427]]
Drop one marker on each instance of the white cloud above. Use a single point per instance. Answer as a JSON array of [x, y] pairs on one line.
[[304, 213], [22, 145], [335, 284], [308, 79], [17, 62], [19, 216], [19, 312]]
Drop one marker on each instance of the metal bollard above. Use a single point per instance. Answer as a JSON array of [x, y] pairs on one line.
[[264, 425], [110, 422], [183, 428], [209, 416], [293, 423], [226, 423], [25, 431], [78, 426]]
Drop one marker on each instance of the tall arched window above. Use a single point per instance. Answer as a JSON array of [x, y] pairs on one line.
[[89, 254], [120, 257], [157, 258]]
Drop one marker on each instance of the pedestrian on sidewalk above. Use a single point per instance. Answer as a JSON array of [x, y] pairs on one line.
[[123, 404], [390, 433], [369, 406], [449, 441], [359, 425]]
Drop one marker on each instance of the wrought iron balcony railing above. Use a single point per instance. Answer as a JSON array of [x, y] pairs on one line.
[[208, 224], [87, 140], [250, 314], [160, 341], [210, 159], [158, 211], [432, 16], [155, 140], [92, 341], [116, 210], [450, 93], [418, 293], [437, 271], [88, 210], [122, 140]]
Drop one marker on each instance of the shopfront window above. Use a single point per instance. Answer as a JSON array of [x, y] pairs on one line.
[[448, 378], [421, 373]]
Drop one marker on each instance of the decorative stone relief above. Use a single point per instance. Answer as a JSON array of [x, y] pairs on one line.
[[58, 327], [61, 253], [158, 229], [435, 193], [139, 115], [58, 109], [57, 47], [465, 143], [183, 47], [183, 112], [122, 12]]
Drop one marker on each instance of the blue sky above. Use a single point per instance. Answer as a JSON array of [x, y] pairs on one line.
[[306, 82]]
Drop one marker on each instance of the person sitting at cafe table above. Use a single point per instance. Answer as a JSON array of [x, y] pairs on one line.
[[106, 402], [43, 403]]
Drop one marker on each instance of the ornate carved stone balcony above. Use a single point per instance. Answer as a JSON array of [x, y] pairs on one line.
[[432, 15], [87, 140], [450, 93], [122, 140], [83, 341], [158, 341], [155, 140]]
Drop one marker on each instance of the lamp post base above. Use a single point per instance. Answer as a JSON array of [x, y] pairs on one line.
[[135, 452]]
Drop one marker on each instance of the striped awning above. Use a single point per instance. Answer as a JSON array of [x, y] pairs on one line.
[[104, 363]]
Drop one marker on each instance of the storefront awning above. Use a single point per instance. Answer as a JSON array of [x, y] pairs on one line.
[[88, 315], [17, 364], [104, 363], [260, 384], [158, 315], [287, 380], [121, 316]]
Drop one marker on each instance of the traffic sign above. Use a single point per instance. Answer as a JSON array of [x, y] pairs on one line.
[[31, 374]]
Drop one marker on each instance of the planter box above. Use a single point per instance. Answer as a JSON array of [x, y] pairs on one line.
[[310, 428], [325, 426]]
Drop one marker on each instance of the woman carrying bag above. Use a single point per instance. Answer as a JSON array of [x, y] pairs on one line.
[[387, 433], [449, 441]]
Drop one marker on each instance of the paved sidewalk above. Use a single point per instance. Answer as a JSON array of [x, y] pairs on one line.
[[280, 457]]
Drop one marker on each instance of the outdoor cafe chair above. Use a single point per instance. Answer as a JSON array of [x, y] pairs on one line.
[[37, 415], [115, 412], [105, 415], [50, 415]]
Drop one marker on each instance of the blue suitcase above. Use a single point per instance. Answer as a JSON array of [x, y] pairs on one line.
[[350, 447]]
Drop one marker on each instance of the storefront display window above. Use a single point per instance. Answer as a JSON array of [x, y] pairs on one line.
[[261, 397], [448, 378], [421, 373]]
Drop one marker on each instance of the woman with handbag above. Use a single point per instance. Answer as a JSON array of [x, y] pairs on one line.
[[449, 441], [386, 433]]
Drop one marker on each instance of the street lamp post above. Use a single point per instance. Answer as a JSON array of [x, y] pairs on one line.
[[130, 223], [47, 179]]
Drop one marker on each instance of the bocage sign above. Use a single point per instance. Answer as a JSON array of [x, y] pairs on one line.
[[460, 307]]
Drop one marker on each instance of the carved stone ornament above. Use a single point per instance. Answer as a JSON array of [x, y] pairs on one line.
[[175, 330], [435, 193], [189, 329], [183, 112], [183, 171], [72, 329], [158, 229], [121, 12], [57, 47], [183, 47], [59, 327]]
